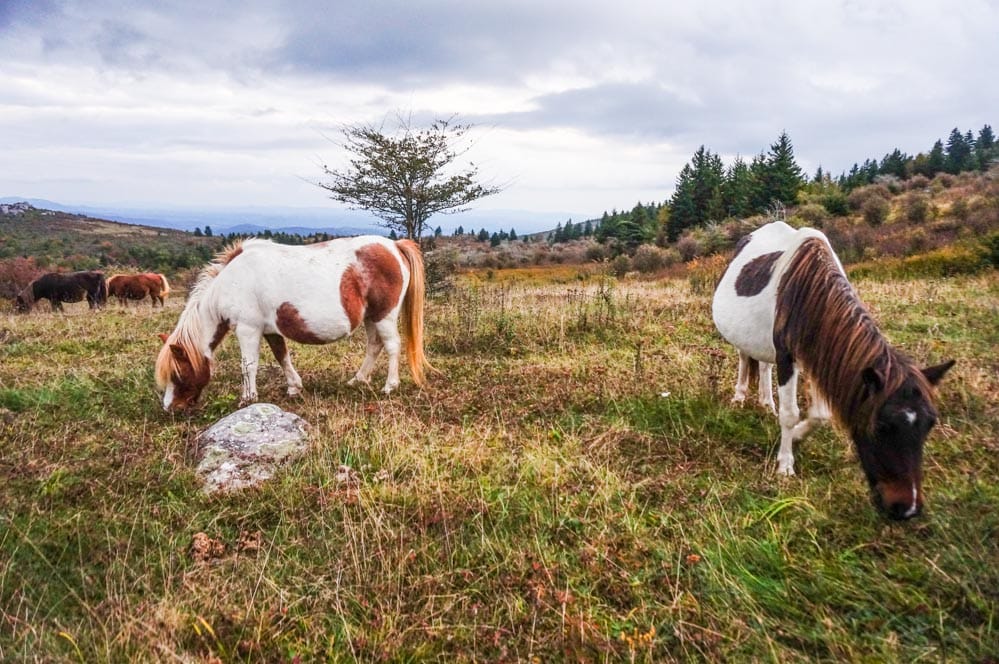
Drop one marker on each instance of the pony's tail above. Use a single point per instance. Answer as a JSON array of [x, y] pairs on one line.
[[412, 310], [166, 285], [102, 290]]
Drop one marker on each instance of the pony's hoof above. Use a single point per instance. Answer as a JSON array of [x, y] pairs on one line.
[[786, 472], [246, 401]]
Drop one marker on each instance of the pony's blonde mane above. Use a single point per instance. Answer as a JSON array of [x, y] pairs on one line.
[[188, 333]]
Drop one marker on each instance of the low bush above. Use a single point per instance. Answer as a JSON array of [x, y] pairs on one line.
[[875, 210]]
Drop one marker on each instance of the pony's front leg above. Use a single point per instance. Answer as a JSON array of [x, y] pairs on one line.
[[281, 354], [789, 416], [249, 351], [374, 347]]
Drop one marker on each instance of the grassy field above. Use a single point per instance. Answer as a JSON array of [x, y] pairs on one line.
[[574, 486]]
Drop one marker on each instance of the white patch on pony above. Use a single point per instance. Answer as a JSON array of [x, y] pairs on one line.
[[168, 396], [912, 508], [910, 416]]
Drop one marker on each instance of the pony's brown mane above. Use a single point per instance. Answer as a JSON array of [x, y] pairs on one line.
[[187, 334], [827, 329]]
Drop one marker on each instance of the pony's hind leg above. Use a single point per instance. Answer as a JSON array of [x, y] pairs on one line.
[[388, 331], [374, 348], [249, 351], [742, 379], [281, 354], [766, 387]]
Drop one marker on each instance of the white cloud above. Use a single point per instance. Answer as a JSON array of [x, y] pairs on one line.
[[582, 105]]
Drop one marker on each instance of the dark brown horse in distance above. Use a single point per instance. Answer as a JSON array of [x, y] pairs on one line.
[[59, 287], [127, 287]]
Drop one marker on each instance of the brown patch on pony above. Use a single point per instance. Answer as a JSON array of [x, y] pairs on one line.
[[291, 324], [822, 324], [352, 287], [220, 331], [382, 280], [756, 274], [278, 346]]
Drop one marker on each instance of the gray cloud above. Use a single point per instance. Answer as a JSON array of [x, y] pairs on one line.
[[847, 80]]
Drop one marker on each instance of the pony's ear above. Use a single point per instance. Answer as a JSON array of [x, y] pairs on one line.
[[935, 373], [873, 379], [178, 351], [163, 337]]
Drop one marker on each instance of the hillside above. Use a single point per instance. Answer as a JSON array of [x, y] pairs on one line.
[[59, 239]]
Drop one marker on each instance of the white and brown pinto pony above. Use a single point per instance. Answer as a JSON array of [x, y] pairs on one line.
[[785, 300], [312, 294]]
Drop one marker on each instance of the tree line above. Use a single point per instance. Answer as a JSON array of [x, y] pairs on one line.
[[707, 190]]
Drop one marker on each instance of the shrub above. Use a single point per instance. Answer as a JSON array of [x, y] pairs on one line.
[[875, 210], [835, 203], [891, 182], [945, 262], [959, 209], [704, 273], [688, 248], [810, 214], [620, 266], [648, 258], [440, 267], [15, 274], [944, 180], [916, 207], [859, 197], [595, 253], [918, 182]]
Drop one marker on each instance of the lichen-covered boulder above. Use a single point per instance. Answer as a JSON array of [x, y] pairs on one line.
[[245, 448]]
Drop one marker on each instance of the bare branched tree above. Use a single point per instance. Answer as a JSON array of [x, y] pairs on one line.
[[407, 176]]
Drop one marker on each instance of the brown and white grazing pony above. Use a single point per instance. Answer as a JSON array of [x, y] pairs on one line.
[[59, 287], [784, 299], [312, 294], [127, 287]]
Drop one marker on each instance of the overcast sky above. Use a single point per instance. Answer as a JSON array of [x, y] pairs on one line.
[[580, 106]]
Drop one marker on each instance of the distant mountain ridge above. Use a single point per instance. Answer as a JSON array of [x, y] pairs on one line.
[[303, 220]]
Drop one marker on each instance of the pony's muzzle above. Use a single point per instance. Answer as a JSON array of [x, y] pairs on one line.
[[898, 500]]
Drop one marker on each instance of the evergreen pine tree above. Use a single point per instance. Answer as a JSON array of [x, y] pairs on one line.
[[986, 151], [937, 161], [737, 189], [783, 175], [958, 152]]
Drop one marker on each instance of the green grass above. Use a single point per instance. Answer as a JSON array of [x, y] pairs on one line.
[[541, 499]]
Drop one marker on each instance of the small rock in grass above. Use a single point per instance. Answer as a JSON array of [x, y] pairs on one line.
[[245, 448]]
